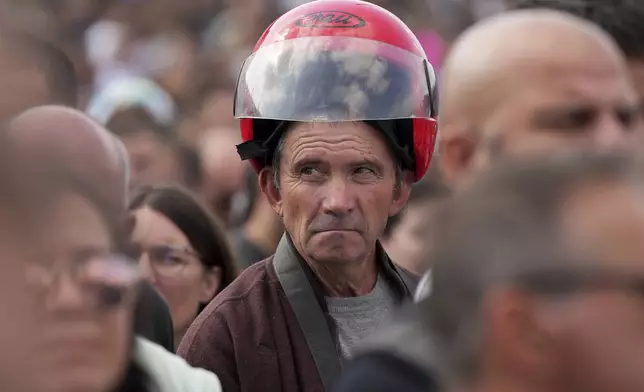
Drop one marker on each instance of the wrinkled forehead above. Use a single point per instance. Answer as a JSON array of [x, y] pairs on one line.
[[337, 141]]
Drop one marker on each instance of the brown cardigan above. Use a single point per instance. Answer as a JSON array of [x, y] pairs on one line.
[[250, 337]]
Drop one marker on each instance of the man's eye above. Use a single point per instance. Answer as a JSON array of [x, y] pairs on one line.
[[308, 171], [363, 170]]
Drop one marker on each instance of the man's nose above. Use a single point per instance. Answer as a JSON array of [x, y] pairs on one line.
[[146, 267], [611, 134], [66, 296], [338, 198]]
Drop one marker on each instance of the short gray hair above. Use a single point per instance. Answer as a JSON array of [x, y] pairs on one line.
[[505, 225]]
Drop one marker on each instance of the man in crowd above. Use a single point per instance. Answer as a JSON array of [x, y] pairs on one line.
[[338, 141], [539, 275], [88, 151], [622, 20], [550, 82]]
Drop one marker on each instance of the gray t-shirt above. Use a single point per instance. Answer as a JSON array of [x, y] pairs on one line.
[[358, 317]]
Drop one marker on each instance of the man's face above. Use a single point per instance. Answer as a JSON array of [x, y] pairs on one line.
[[597, 335], [338, 187], [568, 108], [151, 161], [555, 106], [82, 346]]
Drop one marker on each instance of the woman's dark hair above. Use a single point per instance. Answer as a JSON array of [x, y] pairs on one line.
[[204, 231]]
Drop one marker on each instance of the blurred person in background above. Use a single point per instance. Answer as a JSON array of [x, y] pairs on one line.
[[334, 163], [233, 32], [85, 296], [182, 250], [33, 72], [156, 154], [538, 278], [404, 237], [261, 228], [622, 20], [223, 171], [18, 220], [589, 101], [450, 18], [94, 156], [552, 82]]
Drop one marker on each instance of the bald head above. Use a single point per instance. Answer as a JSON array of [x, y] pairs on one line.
[[66, 138], [493, 58], [532, 70]]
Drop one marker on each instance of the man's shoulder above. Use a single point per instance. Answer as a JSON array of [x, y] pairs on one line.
[[252, 281], [239, 308], [252, 288]]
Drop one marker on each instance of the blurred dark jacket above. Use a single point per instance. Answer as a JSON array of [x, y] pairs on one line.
[[152, 318]]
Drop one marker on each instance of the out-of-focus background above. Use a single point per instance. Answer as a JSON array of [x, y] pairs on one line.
[[161, 75]]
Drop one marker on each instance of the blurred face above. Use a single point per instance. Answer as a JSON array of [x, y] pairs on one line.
[[338, 187], [591, 339], [408, 245], [556, 106], [151, 161], [84, 312], [173, 267], [18, 324], [601, 333]]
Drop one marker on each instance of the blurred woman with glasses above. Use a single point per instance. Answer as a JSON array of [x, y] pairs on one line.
[[84, 294], [182, 250]]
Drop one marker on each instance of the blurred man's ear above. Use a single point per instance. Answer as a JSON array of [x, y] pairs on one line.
[[456, 156], [268, 185]]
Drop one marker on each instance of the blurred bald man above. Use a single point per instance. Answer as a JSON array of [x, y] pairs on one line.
[[531, 82], [65, 138], [622, 20], [524, 82], [224, 173]]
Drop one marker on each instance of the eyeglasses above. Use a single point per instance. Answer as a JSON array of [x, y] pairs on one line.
[[106, 280], [166, 260]]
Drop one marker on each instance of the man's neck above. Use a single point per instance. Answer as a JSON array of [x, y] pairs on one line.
[[347, 279]]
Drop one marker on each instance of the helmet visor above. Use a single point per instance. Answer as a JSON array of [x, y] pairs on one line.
[[334, 79]]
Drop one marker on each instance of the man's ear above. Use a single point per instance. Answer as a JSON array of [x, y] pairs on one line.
[[457, 149], [401, 194], [270, 190]]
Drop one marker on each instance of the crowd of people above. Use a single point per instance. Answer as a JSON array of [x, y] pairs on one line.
[[269, 195]]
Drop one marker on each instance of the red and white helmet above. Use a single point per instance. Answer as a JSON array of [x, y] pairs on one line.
[[338, 60]]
